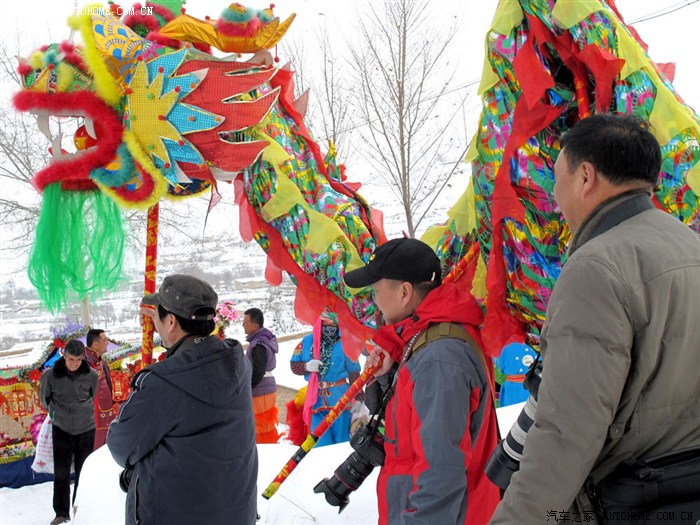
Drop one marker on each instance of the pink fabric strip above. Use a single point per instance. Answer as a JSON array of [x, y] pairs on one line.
[[312, 387]]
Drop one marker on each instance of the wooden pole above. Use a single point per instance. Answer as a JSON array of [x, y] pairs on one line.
[[313, 438], [149, 282], [85, 307]]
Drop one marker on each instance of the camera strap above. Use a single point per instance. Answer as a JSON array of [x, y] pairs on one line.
[[375, 418]]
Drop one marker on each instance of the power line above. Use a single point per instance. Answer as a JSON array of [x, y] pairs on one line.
[[663, 12]]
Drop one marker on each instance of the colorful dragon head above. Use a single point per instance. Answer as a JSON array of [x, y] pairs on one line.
[[162, 119], [172, 121]]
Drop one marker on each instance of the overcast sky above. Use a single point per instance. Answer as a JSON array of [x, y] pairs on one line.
[[671, 37]]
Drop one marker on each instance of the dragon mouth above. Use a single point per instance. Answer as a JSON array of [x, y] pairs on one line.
[[101, 123]]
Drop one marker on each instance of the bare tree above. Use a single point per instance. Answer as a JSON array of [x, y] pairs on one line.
[[330, 110], [292, 49], [403, 76], [333, 91]]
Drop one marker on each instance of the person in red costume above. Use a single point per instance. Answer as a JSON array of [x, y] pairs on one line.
[[96, 346], [440, 421]]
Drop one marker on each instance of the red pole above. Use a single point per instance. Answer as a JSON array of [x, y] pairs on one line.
[[313, 438], [149, 282]]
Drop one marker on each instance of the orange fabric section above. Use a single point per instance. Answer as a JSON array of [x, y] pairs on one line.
[[265, 418]]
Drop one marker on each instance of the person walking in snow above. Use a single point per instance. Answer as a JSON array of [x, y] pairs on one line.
[[186, 435], [67, 392]]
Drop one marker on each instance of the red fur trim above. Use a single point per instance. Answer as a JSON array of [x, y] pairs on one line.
[[107, 126], [67, 47], [297, 429], [24, 69], [72, 57], [78, 185], [161, 11], [155, 36], [237, 29], [204, 48], [148, 21]]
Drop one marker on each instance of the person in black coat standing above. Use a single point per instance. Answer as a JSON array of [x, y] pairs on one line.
[[68, 392], [186, 435]]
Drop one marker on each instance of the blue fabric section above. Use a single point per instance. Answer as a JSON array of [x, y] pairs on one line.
[[169, 62], [19, 474], [184, 153], [515, 359], [185, 82], [123, 174], [339, 368], [180, 114], [338, 432], [170, 174]]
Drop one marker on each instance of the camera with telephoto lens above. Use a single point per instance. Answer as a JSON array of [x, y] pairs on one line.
[[505, 460], [368, 444]]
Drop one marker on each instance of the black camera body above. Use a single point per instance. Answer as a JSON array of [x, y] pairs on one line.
[[505, 459], [368, 445]]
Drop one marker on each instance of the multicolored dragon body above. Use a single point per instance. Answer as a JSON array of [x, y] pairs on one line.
[[172, 121], [550, 63], [166, 122]]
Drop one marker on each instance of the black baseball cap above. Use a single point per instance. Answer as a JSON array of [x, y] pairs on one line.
[[184, 295], [401, 259]]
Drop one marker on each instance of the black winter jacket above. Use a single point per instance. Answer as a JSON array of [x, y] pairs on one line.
[[188, 432], [68, 398]]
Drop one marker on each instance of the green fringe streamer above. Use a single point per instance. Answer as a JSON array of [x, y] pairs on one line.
[[79, 246]]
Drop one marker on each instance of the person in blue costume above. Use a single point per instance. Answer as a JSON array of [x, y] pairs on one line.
[[329, 372], [514, 361]]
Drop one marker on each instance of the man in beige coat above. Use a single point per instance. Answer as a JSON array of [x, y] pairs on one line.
[[621, 340]]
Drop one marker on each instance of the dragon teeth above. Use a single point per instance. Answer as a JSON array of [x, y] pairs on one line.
[[90, 128]]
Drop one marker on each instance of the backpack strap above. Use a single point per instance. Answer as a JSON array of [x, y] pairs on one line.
[[449, 331], [457, 331]]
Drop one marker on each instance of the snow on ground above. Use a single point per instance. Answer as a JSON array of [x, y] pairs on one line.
[[100, 501]]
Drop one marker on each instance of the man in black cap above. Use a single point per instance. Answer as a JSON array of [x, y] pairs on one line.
[[186, 435], [440, 421]]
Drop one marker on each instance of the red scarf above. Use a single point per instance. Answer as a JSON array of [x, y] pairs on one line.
[[445, 304]]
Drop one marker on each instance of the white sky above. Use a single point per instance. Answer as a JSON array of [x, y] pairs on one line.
[[670, 37]]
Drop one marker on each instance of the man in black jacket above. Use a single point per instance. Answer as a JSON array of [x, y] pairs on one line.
[[186, 435], [67, 392]]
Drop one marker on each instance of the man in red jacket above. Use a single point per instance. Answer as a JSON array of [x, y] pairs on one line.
[[95, 347], [440, 421]]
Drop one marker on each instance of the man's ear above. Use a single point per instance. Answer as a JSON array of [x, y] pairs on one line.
[[589, 178], [407, 292]]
